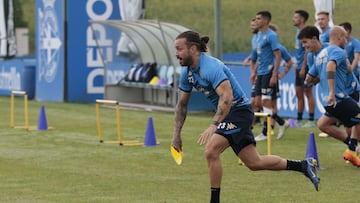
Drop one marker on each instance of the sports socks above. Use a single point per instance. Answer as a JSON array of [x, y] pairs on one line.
[[264, 130], [347, 140], [278, 119], [311, 116], [296, 165], [353, 144], [299, 116], [215, 195]]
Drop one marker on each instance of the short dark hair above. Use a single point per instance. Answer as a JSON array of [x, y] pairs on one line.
[[346, 26], [193, 38], [303, 14], [265, 14], [309, 32]]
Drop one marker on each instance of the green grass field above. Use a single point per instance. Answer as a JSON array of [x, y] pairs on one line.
[[68, 164]]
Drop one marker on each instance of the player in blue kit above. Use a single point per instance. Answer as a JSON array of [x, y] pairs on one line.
[[332, 70], [352, 48], [286, 57], [231, 124], [323, 20], [299, 20], [265, 74]]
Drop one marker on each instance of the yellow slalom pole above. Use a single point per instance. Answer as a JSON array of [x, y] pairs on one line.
[[12, 119], [268, 118], [26, 116], [98, 122], [269, 134], [12, 108], [118, 124]]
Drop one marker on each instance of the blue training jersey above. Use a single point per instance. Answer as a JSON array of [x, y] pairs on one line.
[[266, 43], [331, 53], [285, 55], [299, 51], [209, 74], [352, 47], [253, 41], [312, 56], [325, 35], [352, 84]]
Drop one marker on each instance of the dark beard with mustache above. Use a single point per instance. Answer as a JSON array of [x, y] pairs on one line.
[[185, 61]]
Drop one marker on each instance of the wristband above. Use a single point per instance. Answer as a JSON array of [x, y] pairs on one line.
[[215, 123], [330, 74]]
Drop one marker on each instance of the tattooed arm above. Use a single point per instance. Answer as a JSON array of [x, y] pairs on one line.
[[180, 116], [225, 101]]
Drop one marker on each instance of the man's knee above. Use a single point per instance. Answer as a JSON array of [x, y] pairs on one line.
[[211, 154]]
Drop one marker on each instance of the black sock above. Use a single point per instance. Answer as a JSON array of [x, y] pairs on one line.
[[299, 116], [311, 116], [296, 165], [215, 195], [347, 140], [264, 130], [353, 144], [278, 119]]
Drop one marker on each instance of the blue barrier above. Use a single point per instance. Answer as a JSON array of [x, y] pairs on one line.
[[17, 74]]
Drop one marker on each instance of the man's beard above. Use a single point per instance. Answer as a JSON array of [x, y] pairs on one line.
[[186, 61]]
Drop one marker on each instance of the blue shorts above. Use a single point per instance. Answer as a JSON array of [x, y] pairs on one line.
[[236, 127], [263, 88], [347, 111]]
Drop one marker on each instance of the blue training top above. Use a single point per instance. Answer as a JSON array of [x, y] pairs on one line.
[[325, 35], [312, 56], [266, 43], [253, 41], [331, 53], [285, 55], [299, 51], [209, 74], [352, 47]]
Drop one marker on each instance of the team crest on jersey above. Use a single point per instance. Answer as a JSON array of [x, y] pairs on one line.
[[322, 58], [190, 77]]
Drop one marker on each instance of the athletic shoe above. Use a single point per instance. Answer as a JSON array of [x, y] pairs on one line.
[[352, 157], [311, 172], [322, 134], [308, 124], [282, 129], [260, 137], [299, 123]]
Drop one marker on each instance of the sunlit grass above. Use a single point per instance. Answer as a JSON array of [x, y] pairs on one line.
[[68, 164]]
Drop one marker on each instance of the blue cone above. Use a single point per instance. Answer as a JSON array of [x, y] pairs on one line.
[[311, 151], [42, 123], [150, 137], [292, 123]]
